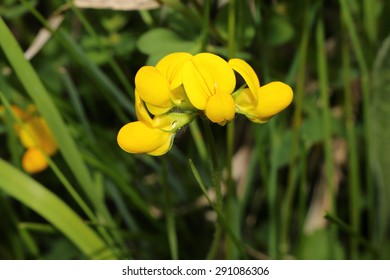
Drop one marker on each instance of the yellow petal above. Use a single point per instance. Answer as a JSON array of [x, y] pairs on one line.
[[195, 86], [152, 87], [205, 75], [137, 137], [272, 99], [34, 161], [140, 109], [244, 102], [171, 67], [164, 148], [157, 110], [35, 133], [220, 108], [248, 74]]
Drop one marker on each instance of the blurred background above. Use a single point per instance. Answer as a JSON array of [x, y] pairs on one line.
[[311, 183]]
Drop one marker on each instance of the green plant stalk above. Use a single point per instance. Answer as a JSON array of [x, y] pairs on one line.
[[369, 20], [303, 196], [116, 177], [12, 138], [322, 69], [216, 177], [272, 195], [232, 202], [220, 214], [37, 227], [199, 141], [13, 226], [348, 229], [297, 120], [365, 85], [206, 25], [170, 216], [353, 162], [77, 104], [232, 29], [122, 206], [248, 186], [147, 18], [30, 243]]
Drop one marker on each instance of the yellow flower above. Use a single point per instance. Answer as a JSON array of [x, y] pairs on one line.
[[160, 87], [208, 81], [36, 137], [151, 136], [259, 103]]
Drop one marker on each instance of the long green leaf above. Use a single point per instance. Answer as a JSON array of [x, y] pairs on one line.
[[48, 110], [380, 157], [31, 193]]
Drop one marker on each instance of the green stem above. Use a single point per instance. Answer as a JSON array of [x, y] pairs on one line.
[[365, 85], [76, 102], [170, 216], [353, 161], [322, 69], [216, 177], [199, 141], [272, 195], [232, 29], [221, 218], [232, 202], [206, 25], [369, 20], [297, 120]]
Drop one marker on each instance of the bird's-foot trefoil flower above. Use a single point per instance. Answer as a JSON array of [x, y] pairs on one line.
[[153, 136], [209, 82], [259, 103], [160, 87], [169, 95], [36, 137]]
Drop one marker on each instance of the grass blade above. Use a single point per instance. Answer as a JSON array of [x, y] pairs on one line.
[[53, 209], [46, 107]]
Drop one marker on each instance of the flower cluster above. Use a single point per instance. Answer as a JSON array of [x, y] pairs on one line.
[[36, 137], [181, 86]]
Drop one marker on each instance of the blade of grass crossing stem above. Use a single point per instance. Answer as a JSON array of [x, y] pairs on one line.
[[220, 214], [35, 196], [47, 109]]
